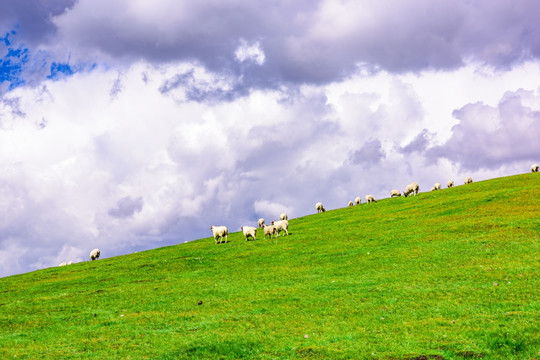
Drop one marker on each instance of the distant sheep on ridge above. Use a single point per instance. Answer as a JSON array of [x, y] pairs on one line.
[[319, 207], [220, 232], [94, 254], [534, 168]]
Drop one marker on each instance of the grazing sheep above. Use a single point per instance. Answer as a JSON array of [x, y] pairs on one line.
[[63, 263], [269, 230], [437, 186], [94, 254], [370, 199], [220, 232], [450, 183], [249, 231], [395, 193], [351, 203], [261, 222], [283, 216], [534, 168], [319, 207], [281, 225], [357, 201], [411, 188], [468, 180]]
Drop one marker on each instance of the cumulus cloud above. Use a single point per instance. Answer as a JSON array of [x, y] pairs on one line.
[[126, 207], [249, 52], [491, 136]]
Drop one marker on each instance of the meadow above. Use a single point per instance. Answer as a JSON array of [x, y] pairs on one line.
[[449, 274]]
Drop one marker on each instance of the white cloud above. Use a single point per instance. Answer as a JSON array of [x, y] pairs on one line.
[[249, 52], [144, 167]]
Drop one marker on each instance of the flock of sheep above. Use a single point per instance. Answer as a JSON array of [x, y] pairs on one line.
[[221, 233]]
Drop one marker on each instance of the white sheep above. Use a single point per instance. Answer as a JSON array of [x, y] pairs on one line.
[[220, 232], [283, 216], [450, 183], [395, 193], [269, 230], [437, 186], [63, 263], [94, 254], [249, 231], [357, 201], [411, 188], [534, 168], [281, 225], [468, 180], [261, 222], [70, 262], [319, 207], [370, 199], [351, 203]]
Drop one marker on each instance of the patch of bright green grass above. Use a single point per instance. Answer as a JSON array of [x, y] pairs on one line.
[[451, 274]]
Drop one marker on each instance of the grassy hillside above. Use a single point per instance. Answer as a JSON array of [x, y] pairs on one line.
[[451, 274]]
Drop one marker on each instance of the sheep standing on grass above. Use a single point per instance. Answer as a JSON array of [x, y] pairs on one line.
[[370, 199], [269, 230], [395, 193], [450, 183], [261, 222], [437, 186], [220, 232], [63, 263], [468, 180], [94, 254], [283, 216], [249, 231], [319, 207], [351, 203], [411, 188], [534, 168], [357, 201], [281, 225]]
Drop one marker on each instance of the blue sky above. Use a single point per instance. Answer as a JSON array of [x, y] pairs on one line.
[[132, 125]]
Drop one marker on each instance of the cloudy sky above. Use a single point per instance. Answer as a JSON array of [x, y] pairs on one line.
[[129, 125]]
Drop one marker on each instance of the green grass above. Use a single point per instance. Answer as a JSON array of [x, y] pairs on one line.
[[451, 274]]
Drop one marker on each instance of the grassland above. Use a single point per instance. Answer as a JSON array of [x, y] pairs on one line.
[[451, 274]]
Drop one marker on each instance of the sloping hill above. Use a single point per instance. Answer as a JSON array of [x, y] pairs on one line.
[[450, 274]]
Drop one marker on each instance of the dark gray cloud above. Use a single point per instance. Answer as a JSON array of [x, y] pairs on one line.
[[303, 41], [32, 18], [126, 207], [313, 41], [488, 137]]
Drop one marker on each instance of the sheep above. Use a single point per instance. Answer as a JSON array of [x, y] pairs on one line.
[[357, 201], [261, 222], [94, 254], [350, 203], [249, 231], [269, 230], [281, 225], [320, 208], [221, 232], [283, 216], [450, 183], [70, 262], [534, 168], [411, 188], [437, 186], [468, 180], [395, 193], [63, 263], [370, 199]]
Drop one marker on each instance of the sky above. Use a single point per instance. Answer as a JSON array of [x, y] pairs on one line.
[[130, 125]]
